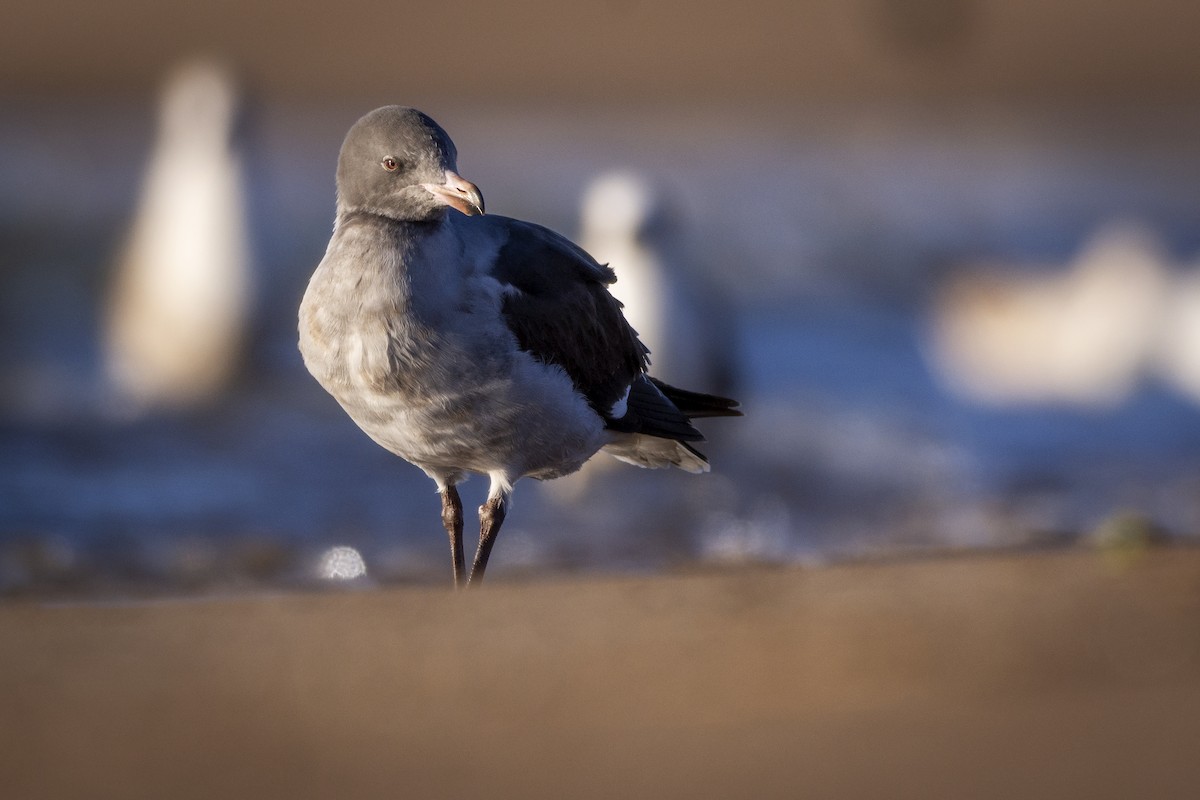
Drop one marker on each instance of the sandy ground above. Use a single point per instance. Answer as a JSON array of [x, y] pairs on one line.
[[1038, 675]]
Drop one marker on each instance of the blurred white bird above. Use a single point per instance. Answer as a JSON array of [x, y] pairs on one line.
[[179, 303], [1081, 337]]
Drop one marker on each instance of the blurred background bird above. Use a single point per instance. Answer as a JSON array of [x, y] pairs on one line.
[[1083, 335], [178, 309]]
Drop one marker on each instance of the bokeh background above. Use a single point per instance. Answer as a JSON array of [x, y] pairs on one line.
[[948, 250]]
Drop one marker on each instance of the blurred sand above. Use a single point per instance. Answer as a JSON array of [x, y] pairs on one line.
[[616, 51], [1039, 675]]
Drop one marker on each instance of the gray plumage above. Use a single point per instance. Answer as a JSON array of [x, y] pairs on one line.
[[469, 343]]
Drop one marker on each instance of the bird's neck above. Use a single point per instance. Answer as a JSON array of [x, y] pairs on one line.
[[363, 215], [406, 265]]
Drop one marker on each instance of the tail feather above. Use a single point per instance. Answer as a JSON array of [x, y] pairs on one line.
[[699, 404], [650, 412], [656, 427], [654, 452]]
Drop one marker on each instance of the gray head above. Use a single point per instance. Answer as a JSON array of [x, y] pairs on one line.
[[399, 163]]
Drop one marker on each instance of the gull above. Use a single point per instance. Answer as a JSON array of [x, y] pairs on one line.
[[181, 296], [477, 344], [1079, 336]]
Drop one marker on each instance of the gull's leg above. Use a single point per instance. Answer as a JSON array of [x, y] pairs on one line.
[[491, 517], [452, 519]]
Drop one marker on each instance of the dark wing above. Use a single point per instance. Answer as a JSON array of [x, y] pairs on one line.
[[558, 307]]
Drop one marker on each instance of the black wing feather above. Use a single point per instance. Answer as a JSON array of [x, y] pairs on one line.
[[560, 311], [557, 305], [698, 404]]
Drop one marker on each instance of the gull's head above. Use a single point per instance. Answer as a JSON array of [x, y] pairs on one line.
[[200, 107], [626, 206], [399, 163]]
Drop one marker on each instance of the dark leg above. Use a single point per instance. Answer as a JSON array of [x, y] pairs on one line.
[[491, 517], [452, 519]]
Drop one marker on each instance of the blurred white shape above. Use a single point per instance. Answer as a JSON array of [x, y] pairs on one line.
[[181, 293], [1081, 337], [1178, 356], [341, 563]]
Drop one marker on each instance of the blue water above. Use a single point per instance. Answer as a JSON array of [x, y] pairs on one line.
[[826, 246]]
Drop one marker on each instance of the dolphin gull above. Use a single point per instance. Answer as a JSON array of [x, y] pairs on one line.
[[471, 343]]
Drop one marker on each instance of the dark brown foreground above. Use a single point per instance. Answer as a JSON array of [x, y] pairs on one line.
[[1026, 676]]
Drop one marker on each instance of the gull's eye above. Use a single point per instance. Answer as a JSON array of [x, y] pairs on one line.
[[390, 164]]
